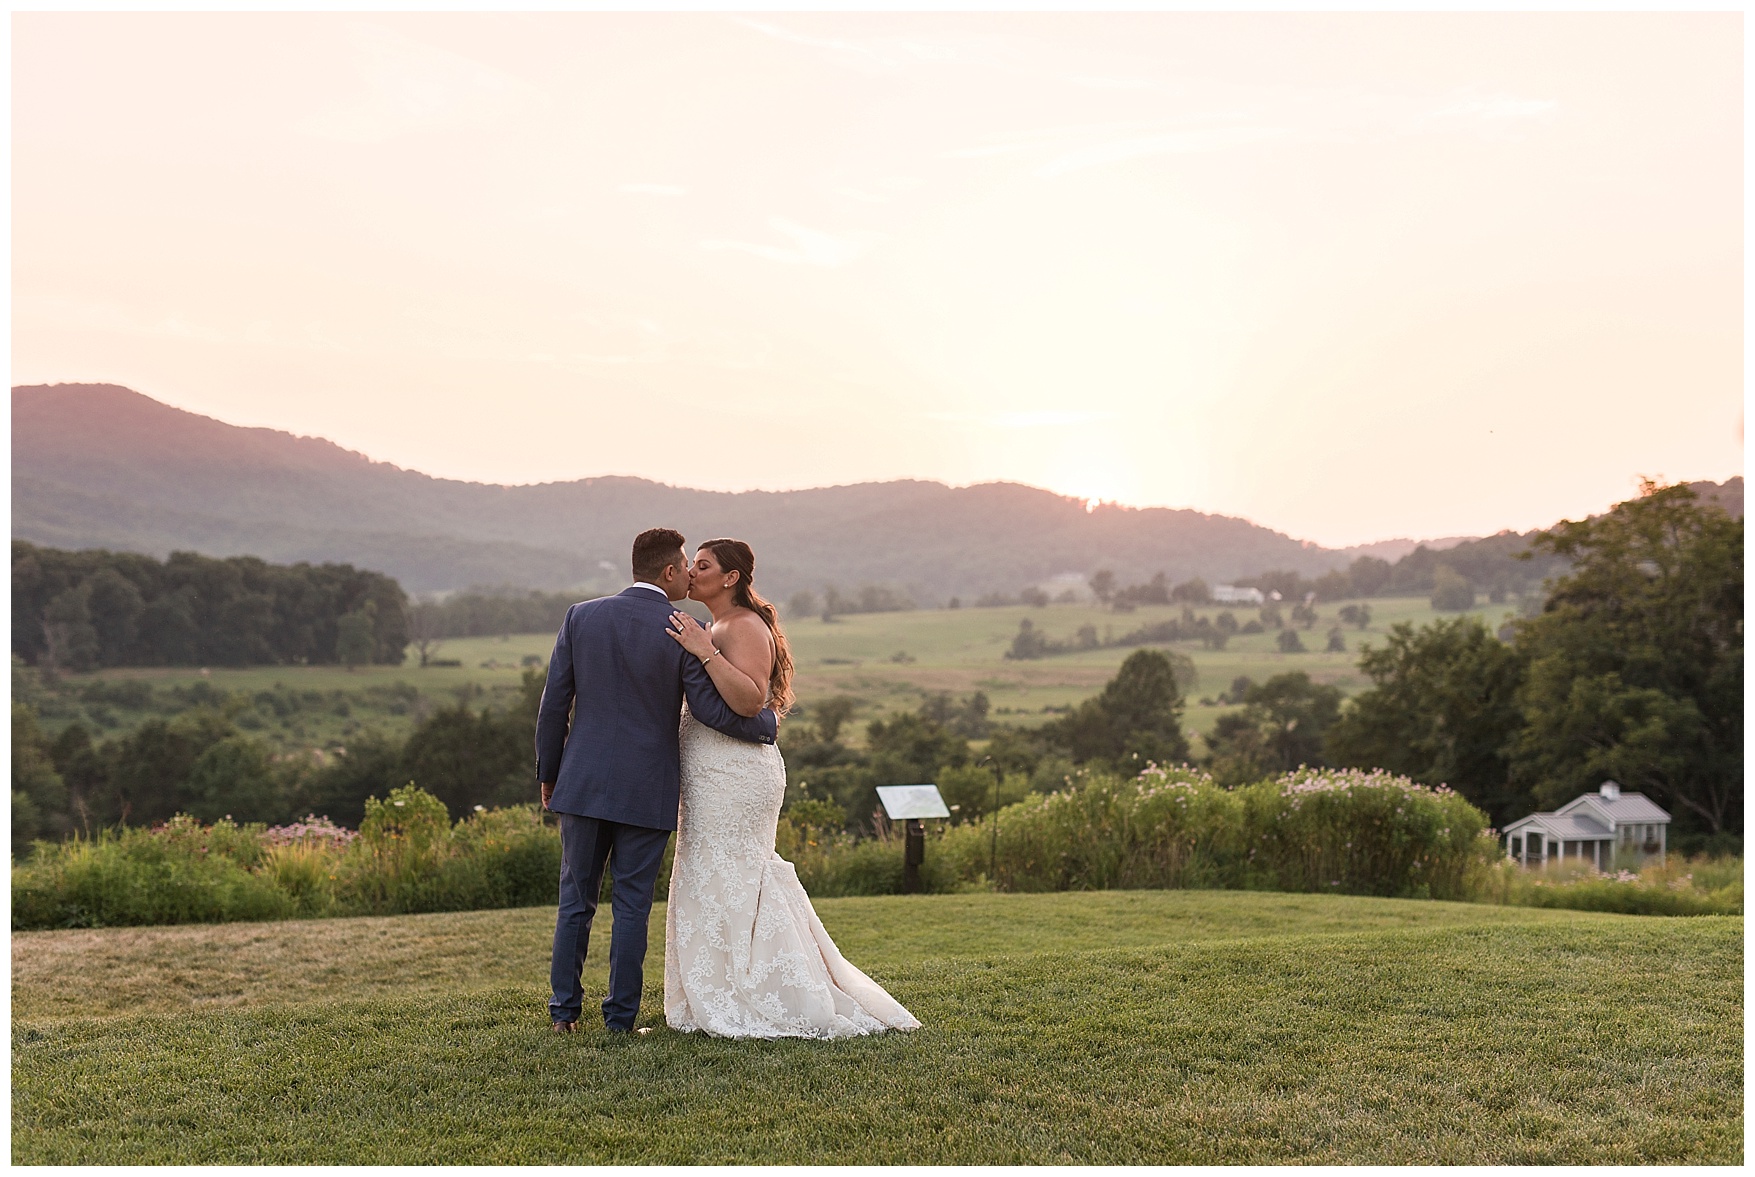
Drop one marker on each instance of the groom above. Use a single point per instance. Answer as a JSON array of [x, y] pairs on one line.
[[612, 775]]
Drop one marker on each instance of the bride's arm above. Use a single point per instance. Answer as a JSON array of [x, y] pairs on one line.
[[737, 654]]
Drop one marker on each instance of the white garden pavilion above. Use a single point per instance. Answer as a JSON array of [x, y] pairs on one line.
[[1600, 826]]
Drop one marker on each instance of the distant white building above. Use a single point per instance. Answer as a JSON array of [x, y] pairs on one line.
[[1598, 826], [1230, 594]]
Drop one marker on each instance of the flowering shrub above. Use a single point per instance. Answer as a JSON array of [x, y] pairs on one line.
[[1364, 833], [313, 829], [1167, 827], [1312, 830], [407, 857]]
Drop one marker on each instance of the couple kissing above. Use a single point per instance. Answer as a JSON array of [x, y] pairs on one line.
[[672, 728]]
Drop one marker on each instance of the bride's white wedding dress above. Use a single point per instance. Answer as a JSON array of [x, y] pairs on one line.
[[744, 953]]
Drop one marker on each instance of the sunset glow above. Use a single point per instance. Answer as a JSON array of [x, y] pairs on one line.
[[1352, 277]]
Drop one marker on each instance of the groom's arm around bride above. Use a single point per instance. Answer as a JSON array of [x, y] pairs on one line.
[[607, 760]]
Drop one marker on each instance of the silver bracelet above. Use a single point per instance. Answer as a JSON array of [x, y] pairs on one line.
[[710, 657]]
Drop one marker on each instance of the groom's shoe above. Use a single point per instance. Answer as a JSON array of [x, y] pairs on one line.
[[564, 1027]]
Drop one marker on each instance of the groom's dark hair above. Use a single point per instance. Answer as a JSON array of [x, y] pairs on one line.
[[655, 550]]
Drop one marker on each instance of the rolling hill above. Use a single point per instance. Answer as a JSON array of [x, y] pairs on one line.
[[98, 465]]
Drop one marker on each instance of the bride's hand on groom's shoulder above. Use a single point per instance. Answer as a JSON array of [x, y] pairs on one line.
[[689, 634]]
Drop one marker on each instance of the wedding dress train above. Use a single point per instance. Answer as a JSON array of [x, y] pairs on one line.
[[744, 953]]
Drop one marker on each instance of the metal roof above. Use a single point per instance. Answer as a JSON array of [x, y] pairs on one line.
[[1628, 807], [1566, 827], [1592, 815]]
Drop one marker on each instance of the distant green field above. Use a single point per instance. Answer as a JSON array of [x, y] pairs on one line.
[[1107, 1027], [886, 660]]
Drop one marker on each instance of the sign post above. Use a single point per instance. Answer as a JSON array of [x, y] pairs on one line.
[[910, 804]]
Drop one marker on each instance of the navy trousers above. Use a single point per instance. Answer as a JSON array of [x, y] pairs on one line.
[[634, 855]]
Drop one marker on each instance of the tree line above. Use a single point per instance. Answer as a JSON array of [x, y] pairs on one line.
[[834, 602], [1212, 632], [201, 762], [1633, 670], [88, 609]]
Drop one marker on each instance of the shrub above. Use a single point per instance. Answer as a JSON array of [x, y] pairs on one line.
[[832, 863], [407, 857], [180, 872], [1700, 886], [1167, 827], [1365, 833], [1346, 831]]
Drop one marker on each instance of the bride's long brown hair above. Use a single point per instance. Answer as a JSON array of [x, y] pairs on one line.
[[734, 555]]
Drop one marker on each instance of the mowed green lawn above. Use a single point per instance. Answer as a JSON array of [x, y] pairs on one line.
[[886, 660], [1141, 1027]]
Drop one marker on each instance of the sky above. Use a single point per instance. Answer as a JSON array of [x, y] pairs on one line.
[[1353, 277]]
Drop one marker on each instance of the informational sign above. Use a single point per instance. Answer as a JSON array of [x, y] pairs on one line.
[[911, 802]]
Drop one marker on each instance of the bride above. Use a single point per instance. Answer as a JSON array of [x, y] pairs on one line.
[[744, 953]]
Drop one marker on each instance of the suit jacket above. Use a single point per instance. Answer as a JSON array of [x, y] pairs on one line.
[[624, 679]]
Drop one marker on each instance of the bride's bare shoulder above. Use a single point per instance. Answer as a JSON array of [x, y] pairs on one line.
[[742, 622]]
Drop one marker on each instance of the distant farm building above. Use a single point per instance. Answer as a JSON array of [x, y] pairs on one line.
[[1230, 594], [1603, 827]]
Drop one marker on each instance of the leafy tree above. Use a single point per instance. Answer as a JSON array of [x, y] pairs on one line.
[[1289, 642], [802, 603], [1442, 709], [1238, 691], [1194, 591], [70, 641], [1333, 586], [1451, 592], [1369, 576], [423, 630], [1155, 591], [467, 758], [146, 777], [1636, 661], [969, 790], [1136, 717], [39, 796], [1280, 727], [831, 714], [1028, 643], [353, 637], [234, 777], [1103, 585], [1337, 641], [908, 748], [1285, 582], [116, 608], [1211, 636], [1303, 614], [1359, 615], [370, 766], [966, 717]]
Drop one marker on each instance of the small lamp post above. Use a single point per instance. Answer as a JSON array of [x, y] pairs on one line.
[[911, 804]]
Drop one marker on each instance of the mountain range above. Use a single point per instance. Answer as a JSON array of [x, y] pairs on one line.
[[99, 465]]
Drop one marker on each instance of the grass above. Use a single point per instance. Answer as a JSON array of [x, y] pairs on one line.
[[1142, 1027], [957, 650]]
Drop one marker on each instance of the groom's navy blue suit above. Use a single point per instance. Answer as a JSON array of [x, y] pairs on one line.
[[616, 772]]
